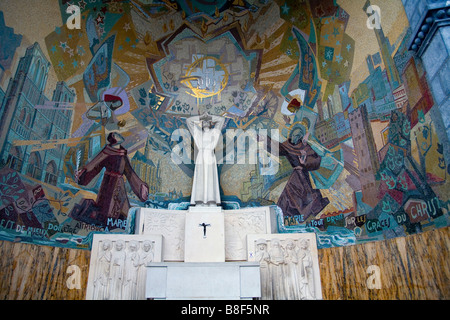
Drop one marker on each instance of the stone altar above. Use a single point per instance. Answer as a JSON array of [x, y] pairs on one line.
[[224, 281], [238, 223], [204, 235], [247, 260], [212, 236]]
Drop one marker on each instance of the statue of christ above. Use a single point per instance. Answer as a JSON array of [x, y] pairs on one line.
[[206, 130]]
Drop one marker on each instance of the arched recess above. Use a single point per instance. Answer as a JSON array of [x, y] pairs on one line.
[[34, 168], [15, 161], [51, 176], [40, 82], [37, 70]]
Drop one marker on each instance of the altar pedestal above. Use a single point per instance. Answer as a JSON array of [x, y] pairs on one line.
[[190, 281], [238, 223], [204, 253], [195, 251], [204, 235]]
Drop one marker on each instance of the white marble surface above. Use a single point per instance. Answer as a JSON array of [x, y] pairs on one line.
[[168, 223], [238, 224], [206, 134], [117, 269], [190, 281], [204, 237]]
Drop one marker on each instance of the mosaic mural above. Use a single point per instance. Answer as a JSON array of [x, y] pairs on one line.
[[355, 162]]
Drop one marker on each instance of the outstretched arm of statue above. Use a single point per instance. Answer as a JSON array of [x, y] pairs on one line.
[[219, 122]]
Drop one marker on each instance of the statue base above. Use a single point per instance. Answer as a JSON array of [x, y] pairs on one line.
[[204, 235], [178, 227], [204, 252], [199, 281]]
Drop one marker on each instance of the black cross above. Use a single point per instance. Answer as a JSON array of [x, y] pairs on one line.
[[204, 225]]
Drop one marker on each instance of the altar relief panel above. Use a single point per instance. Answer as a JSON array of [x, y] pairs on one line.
[[238, 224], [118, 265], [289, 265]]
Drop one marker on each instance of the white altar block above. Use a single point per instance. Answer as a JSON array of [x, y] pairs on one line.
[[241, 222], [238, 224], [117, 269], [289, 265], [169, 223], [201, 281], [204, 236]]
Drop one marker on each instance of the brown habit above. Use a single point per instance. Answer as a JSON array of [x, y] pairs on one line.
[[112, 201]]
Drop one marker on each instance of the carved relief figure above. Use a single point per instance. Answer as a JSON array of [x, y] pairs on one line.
[[173, 232], [306, 271], [101, 282], [206, 130], [262, 256], [286, 269], [145, 257], [291, 274], [276, 270], [236, 228], [131, 271], [117, 270], [120, 269]]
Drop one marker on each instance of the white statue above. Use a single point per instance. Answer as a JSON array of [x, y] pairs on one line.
[[145, 257], [262, 256], [131, 271], [291, 274], [306, 275], [276, 270], [101, 282], [117, 270], [206, 130]]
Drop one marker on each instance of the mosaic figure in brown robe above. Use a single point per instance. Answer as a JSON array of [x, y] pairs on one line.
[[112, 200], [298, 196]]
